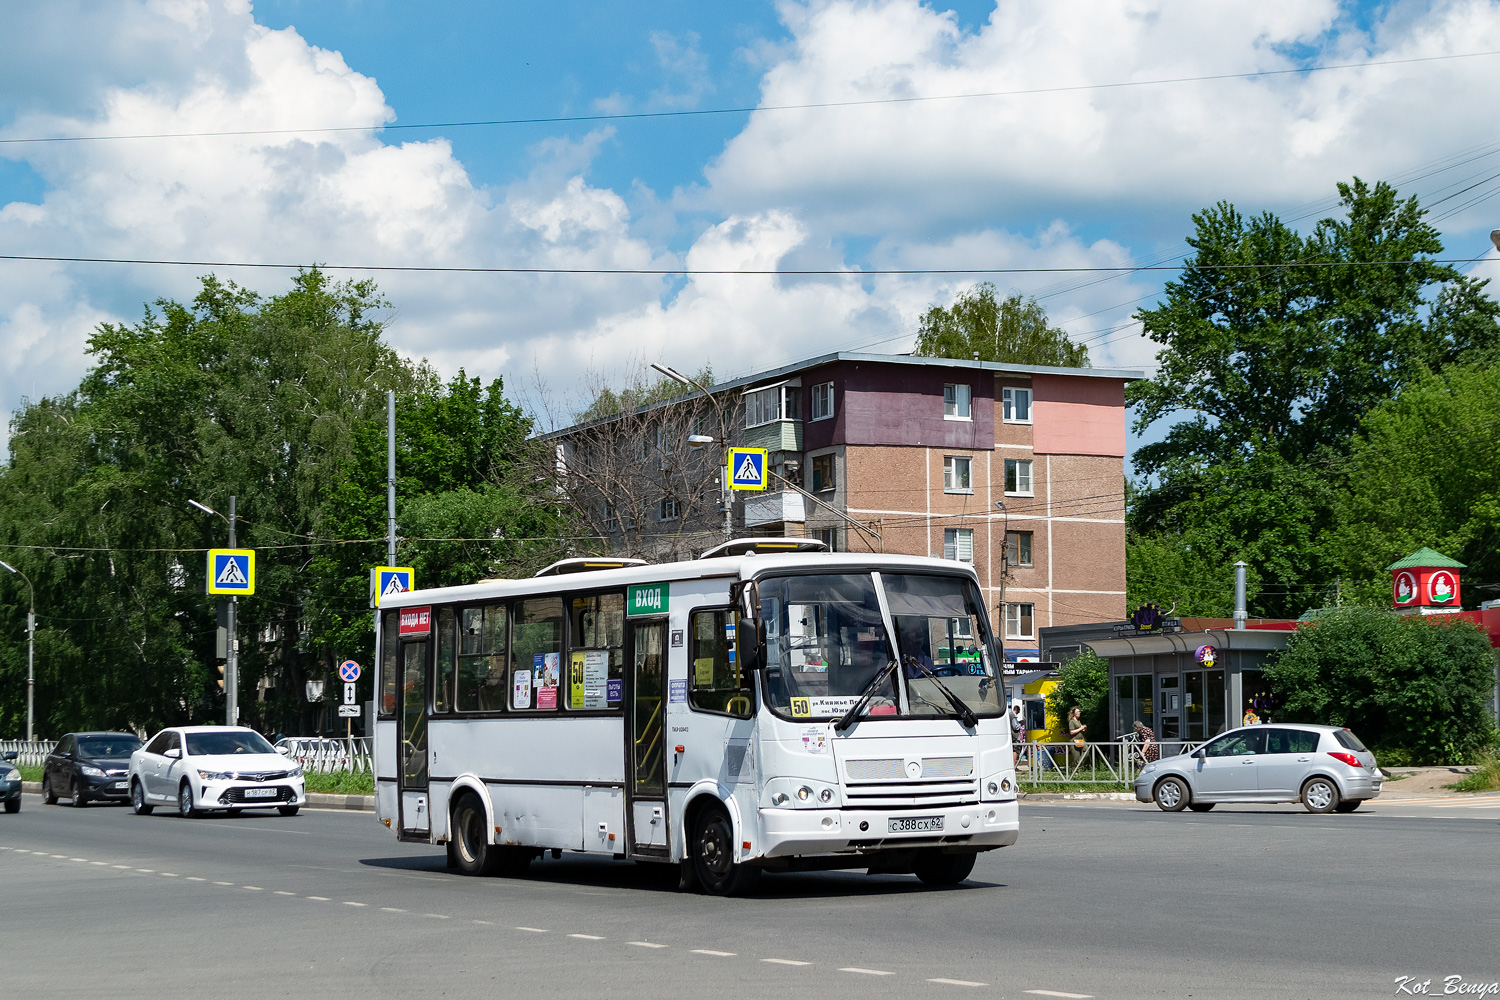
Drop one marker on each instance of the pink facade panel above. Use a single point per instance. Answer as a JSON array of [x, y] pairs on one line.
[[1078, 416]]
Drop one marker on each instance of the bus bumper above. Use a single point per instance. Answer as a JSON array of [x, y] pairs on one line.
[[788, 832]]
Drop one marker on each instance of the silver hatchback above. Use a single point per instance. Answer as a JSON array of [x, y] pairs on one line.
[[1326, 768]]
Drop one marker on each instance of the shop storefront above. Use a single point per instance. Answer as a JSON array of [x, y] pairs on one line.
[[1189, 685]]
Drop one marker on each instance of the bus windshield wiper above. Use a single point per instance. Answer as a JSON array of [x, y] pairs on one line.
[[864, 696], [965, 714]]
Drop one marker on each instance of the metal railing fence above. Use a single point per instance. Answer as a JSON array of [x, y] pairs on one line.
[[1117, 762], [325, 756]]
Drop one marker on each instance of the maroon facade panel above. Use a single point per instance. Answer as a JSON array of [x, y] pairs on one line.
[[878, 404]]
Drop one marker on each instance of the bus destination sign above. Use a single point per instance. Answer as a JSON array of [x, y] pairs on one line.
[[416, 621], [646, 599]]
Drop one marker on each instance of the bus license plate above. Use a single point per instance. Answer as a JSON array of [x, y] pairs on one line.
[[917, 824], [260, 793]]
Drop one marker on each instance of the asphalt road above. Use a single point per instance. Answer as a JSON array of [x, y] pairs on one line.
[[1098, 900]]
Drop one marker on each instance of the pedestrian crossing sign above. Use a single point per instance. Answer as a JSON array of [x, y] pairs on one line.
[[388, 581], [747, 468], [231, 571]]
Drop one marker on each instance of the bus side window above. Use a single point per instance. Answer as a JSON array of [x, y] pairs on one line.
[[390, 683], [482, 659], [442, 685], [596, 652], [536, 651], [716, 681]]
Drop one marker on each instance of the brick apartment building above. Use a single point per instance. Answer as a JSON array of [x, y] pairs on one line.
[[1016, 469]]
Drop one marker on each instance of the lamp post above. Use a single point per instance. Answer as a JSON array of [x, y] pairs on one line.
[[697, 440], [30, 651], [1004, 571], [232, 646]]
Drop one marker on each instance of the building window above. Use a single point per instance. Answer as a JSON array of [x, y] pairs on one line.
[[1020, 621], [670, 509], [779, 402], [957, 474], [956, 403], [1018, 548], [1016, 405], [822, 401], [611, 518], [958, 543], [1018, 477], [664, 440], [829, 537], [824, 476]]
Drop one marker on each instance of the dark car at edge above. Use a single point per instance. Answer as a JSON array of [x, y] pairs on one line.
[[87, 767]]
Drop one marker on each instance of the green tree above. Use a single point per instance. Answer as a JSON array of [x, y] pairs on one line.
[[1011, 330], [1083, 682], [1418, 683], [1425, 470], [1272, 341]]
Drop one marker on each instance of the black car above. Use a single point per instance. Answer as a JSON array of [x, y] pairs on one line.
[[87, 766]]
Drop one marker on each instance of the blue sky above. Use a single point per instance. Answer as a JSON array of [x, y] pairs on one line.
[[1083, 178]]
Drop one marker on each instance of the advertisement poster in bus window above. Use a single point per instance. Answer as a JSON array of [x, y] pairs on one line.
[[595, 679], [520, 696], [545, 666]]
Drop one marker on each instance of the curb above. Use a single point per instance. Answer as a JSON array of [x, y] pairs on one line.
[[315, 800], [1078, 796]]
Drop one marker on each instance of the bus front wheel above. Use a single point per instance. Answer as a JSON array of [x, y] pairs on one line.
[[936, 868], [713, 855]]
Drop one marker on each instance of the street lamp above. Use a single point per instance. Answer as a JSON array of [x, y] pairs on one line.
[[232, 646], [30, 651], [1495, 238], [1004, 572], [698, 440]]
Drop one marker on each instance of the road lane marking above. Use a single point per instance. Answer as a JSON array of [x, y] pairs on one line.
[[169, 875], [143, 871], [533, 930], [784, 961], [223, 883], [716, 954], [321, 899], [78, 859], [349, 902], [646, 944], [436, 916], [956, 982], [102, 863], [283, 892], [63, 856], [253, 888], [586, 937], [121, 867], [1054, 993], [487, 922], [392, 909], [194, 878], [868, 972]]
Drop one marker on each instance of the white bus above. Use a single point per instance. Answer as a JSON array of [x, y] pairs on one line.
[[738, 713]]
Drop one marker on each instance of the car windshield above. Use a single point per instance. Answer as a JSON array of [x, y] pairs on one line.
[[1349, 741], [826, 644], [107, 746], [225, 743]]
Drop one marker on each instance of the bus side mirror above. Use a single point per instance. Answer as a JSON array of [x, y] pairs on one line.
[[748, 644]]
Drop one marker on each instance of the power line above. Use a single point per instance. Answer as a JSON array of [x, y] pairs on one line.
[[814, 106]]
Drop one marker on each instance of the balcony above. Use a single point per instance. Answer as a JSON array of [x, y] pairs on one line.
[[772, 508]]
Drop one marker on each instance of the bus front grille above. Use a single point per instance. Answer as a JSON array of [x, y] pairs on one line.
[[906, 794]]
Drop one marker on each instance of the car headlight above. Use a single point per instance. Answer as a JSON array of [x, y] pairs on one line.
[[295, 771], [1149, 768], [12, 775], [90, 771], [214, 775]]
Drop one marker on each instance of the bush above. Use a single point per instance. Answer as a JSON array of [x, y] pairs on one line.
[[1083, 681], [1419, 682]]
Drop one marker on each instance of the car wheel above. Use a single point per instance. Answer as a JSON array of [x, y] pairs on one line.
[[1201, 807], [48, 795], [1171, 795], [185, 807], [287, 810], [1320, 795], [13, 805], [468, 838], [138, 800], [1347, 806], [713, 855], [937, 868], [79, 799]]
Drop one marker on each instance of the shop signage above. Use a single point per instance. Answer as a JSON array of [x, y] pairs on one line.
[[1442, 587], [1207, 655], [1406, 587], [1147, 617]]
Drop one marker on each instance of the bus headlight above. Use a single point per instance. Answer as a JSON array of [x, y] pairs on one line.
[[826, 795], [780, 799], [993, 788], [804, 793]]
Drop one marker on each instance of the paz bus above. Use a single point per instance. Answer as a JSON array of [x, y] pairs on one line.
[[770, 706]]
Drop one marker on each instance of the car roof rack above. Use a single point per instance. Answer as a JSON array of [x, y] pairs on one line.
[[588, 564], [764, 546]]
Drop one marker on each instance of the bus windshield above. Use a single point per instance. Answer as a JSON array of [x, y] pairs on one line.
[[827, 646]]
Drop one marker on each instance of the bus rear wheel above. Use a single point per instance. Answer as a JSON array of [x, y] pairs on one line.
[[936, 868], [713, 855], [471, 850]]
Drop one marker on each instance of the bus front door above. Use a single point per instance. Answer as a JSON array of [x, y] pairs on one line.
[[645, 737], [412, 747]]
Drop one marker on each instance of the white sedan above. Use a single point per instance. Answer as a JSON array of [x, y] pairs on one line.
[[201, 768]]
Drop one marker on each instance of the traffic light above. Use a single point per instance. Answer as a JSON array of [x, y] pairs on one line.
[[221, 676]]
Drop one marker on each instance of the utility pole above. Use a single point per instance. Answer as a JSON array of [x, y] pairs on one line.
[[390, 477], [232, 648]]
